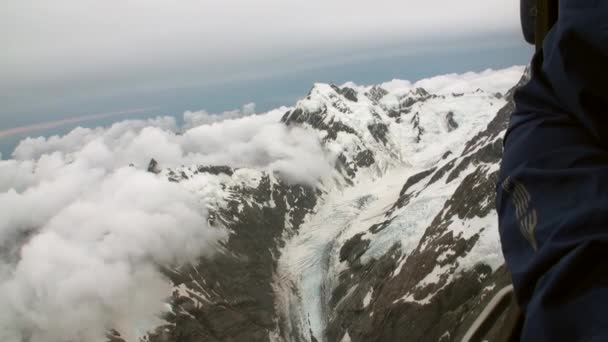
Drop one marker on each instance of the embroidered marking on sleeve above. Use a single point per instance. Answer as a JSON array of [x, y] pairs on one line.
[[524, 212]]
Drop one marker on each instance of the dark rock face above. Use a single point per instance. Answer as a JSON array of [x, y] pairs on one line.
[[422, 92], [336, 126], [376, 93], [420, 294], [317, 120], [153, 166], [344, 166], [216, 170], [452, 124], [442, 171], [397, 114], [379, 131], [299, 116], [173, 177], [391, 300], [501, 120], [416, 124], [408, 101], [347, 165], [365, 158], [114, 336], [231, 296], [405, 194], [353, 248], [348, 93]]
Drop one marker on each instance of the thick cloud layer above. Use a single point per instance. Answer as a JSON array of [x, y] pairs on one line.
[[202, 117], [80, 251], [82, 233], [492, 81], [159, 38], [259, 141]]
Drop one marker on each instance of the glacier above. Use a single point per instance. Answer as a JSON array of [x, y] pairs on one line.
[[361, 213]]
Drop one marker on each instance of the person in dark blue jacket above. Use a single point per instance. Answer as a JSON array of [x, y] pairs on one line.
[[552, 193]]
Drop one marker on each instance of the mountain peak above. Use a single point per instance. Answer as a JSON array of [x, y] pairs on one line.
[[401, 231], [362, 213]]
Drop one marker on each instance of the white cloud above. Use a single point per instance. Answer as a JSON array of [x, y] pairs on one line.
[[488, 80], [119, 133], [82, 232], [492, 81], [202, 117], [80, 248], [236, 138], [159, 38]]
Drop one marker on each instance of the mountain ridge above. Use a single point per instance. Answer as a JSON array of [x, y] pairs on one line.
[[398, 243]]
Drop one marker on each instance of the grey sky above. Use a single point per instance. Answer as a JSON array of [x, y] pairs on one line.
[[145, 41]]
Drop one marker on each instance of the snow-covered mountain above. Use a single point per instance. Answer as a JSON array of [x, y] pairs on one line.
[[398, 243], [362, 213]]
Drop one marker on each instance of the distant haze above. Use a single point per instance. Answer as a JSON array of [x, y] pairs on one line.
[[65, 58], [84, 226], [67, 40], [52, 124]]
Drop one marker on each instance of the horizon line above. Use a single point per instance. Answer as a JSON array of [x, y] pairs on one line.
[[53, 124]]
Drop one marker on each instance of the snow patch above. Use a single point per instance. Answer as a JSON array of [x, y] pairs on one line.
[[487, 249], [368, 298], [346, 337]]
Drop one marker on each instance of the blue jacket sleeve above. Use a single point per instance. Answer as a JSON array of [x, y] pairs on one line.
[[552, 193]]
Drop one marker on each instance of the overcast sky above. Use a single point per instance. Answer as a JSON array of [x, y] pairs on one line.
[[78, 40]]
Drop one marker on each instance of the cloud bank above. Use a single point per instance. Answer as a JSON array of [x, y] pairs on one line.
[[158, 39], [492, 81], [235, 138], [202, 117], [82, 233], [90, 245]]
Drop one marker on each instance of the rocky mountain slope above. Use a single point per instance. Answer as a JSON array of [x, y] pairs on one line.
[[398, 243]]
